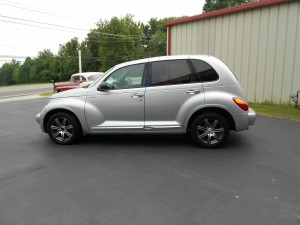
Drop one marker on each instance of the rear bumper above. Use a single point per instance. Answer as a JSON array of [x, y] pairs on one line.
[[251, 117], [243, 121]]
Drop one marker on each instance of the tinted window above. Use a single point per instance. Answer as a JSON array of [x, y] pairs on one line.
[[170, 72], [126, 77], [205, 72]]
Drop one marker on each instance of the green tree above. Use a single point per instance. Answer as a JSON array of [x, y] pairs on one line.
[[43, 67], [155, 37], [115, 41], [22, 74], [89, 62], [212, 5], [67, 60], [7, 71]]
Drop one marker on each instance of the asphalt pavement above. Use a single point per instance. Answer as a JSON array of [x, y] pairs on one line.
[[147, 179]]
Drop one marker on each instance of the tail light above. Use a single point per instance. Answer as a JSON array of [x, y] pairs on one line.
[[241, 103]]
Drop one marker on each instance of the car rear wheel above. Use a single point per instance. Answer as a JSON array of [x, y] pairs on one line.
[[210, 130], [63, 128]]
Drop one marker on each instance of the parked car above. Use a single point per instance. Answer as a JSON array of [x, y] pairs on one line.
[[194, 94], [77, 80]]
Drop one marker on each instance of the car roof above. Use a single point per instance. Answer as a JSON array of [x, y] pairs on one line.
[[161, 58]]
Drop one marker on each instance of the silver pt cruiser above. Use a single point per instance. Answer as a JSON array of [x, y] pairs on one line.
[[197, 94]]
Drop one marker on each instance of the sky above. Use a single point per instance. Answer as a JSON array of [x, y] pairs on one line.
[[26, 27]]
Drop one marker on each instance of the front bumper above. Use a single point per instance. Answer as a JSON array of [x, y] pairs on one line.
[[38, 117], [251, 117]]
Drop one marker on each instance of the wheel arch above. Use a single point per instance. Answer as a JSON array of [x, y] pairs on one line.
[[52, 112], [221, 111]]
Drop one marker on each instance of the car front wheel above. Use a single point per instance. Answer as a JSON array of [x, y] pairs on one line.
[[63, 128], [210, 130]]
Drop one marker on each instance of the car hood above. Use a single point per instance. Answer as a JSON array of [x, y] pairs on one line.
[[77, 92]]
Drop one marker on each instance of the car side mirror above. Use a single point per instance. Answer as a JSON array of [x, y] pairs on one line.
[[103, 87]]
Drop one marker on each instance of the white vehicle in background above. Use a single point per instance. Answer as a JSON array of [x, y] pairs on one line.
[[77, 80]]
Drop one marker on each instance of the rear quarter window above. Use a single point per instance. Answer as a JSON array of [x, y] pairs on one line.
[[204, 72]]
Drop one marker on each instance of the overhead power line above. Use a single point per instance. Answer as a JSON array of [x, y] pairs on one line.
[[16, 56], [43, 11], [48, 24], [56, 25], [19, 46], [32, 25]]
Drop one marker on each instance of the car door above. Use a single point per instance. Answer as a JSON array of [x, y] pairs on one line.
[[173, 94], [120, 106]]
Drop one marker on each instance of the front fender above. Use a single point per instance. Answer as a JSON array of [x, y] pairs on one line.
[[75, 105]]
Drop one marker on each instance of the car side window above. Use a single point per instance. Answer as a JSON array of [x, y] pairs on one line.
[[75, 79], [126, 77], [204, 72], [83, 79], [170, 72]]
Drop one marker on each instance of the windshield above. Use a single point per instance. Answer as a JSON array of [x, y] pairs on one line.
[[100, 77], [94, 77]]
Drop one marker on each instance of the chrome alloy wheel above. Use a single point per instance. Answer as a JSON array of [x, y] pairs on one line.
[[61, 129], [210, 131]]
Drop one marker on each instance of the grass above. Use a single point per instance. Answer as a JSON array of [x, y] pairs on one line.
[[284, 111], [47, 94]]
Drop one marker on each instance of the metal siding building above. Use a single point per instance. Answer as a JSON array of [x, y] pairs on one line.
[[260, 43]]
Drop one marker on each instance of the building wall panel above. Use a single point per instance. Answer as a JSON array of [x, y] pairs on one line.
[[289, 52], [212, 36], [218, 39], [271, 55], [194, 38], [231, 41], [224, 42], [280, 53], [183, 38], [237, 69], [296, 66], [262, 54], [200, 37], [246, 51], [205, 34]]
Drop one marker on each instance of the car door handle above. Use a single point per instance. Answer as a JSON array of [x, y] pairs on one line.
[[137, 95], [193, 92]]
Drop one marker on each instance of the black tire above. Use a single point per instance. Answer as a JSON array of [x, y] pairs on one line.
[[63, 128], [58, 91], [210, 130]]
